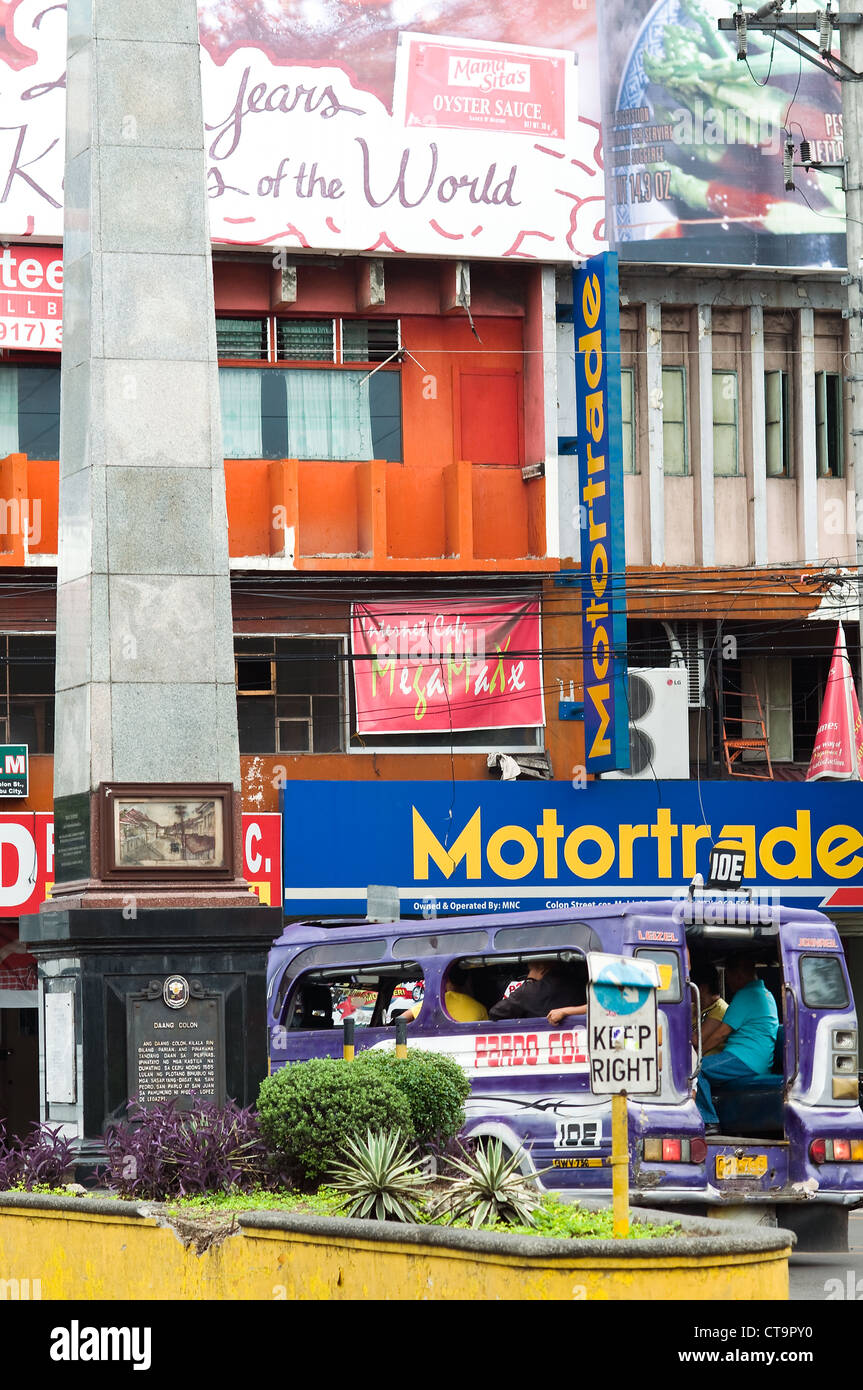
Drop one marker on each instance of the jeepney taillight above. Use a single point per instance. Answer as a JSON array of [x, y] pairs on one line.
[[671, 1149], [836, 1151]]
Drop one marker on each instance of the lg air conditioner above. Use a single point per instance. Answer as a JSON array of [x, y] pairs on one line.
[[658, 723]]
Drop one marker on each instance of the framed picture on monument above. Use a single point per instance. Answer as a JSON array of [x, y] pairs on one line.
[[166, 830]]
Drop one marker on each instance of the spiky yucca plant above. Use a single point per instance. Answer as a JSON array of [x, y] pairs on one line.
[[492, 1189], [379, 1178]]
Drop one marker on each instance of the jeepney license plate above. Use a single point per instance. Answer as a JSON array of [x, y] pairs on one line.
[[746, 1166]]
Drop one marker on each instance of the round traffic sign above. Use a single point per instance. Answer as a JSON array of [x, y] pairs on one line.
[[617, 997]]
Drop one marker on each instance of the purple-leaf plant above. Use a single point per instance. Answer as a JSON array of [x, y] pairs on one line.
[[43, 1157], [162, 1151]]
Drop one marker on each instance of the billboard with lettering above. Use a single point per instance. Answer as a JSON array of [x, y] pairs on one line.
[[596, 323], [433, 670], [694, 140], [517, 846], [27, 859], [453, 129]]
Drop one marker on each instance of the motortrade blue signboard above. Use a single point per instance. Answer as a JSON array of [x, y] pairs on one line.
[[516, 846], [596, 320]]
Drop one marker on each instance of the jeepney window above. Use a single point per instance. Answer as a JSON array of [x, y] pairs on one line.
[[669, 991], [488, 979], [551, 936], [823, 982], [443, 944], [325, 998], [340, 953]]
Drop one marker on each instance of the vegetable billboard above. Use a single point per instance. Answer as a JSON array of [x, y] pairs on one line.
[[694, 140]]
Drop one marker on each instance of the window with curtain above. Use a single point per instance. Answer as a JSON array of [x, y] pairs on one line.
[[242, 435], [830, 453], [627, 410], [328, 415], [30, 411], [726, 459], [674, 432], [289, 412], [777, 449], [314, 414]]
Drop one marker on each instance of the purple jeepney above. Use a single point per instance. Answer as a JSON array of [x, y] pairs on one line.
[[792, 1141]]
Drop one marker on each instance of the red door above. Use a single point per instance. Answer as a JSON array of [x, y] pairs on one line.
[[489, 411]]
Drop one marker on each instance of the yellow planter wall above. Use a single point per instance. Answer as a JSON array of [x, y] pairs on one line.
[[76, 1254]]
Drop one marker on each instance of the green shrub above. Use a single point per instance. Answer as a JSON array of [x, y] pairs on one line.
[[309, 1109], [434, 1086]]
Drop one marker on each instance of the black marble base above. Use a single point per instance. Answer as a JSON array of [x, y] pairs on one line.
[[107, 960]]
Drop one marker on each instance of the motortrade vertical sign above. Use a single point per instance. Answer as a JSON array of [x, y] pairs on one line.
[[596, 317]]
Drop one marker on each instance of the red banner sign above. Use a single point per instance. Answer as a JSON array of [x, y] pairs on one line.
[[27, 859], [439, 671], [31, 297], [838, 751]]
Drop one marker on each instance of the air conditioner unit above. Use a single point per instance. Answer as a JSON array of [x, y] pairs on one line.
[[658, 723]]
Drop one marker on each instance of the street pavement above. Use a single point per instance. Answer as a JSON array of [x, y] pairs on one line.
[[834, 1275]]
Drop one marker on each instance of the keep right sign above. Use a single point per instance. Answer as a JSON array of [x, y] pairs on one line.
[[622, 1039]]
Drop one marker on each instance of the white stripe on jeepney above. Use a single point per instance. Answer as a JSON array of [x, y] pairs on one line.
[[525, 1052]]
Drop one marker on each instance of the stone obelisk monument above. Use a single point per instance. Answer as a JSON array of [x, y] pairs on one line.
[[148, 868]]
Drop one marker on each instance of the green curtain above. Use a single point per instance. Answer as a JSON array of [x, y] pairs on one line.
[[241, 413], [328, 415]]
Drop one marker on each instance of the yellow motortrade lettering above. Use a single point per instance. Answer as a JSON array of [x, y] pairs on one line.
[[599, 569], [627, 835], [515, 834], [595, 462], [740, 837], [549, 833], [468, 847], [833, 848], [591, 300], [663, 832], [579, 837], [599, 696], [595, 415], [600, 664], [800, 838], [689, 837], [590, 346]]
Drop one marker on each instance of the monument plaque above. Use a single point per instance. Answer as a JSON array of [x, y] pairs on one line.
[[175, 1051], [72, 836]]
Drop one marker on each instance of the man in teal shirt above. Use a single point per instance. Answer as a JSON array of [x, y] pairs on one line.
[[748, 1031]]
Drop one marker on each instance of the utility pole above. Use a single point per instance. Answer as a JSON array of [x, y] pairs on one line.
[[851, 52]]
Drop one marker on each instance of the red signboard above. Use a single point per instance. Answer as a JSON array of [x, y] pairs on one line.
[[31, 297], [462, 85], [27, 859], [436, 670]]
